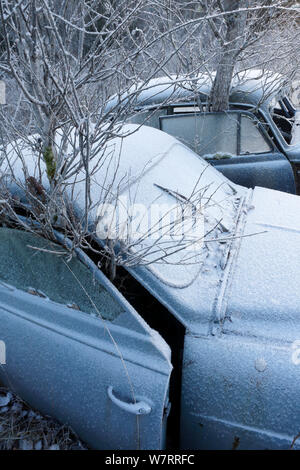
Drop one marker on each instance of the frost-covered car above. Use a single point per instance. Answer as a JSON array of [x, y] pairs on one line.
[[256, 143], [202, 354]]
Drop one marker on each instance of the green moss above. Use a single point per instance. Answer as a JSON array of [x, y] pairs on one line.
[[50, 163], [217, 156]]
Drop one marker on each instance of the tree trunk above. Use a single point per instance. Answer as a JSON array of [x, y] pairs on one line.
[[235, 25]]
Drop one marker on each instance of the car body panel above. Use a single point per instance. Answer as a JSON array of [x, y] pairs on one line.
[[239, 392], [240, 386], [63, 362], [240, 310], [268, 296], [270, 170]]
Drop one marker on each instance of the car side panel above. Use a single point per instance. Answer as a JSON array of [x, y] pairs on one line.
[[63, 362], [239, 393], [271, 170]]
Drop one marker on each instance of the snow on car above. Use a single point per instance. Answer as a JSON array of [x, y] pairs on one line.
[[225, 317], [258, 136]]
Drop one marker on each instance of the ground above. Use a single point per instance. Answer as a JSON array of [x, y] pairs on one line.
[[23, 428]]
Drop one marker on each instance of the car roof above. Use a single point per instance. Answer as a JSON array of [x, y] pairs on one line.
[[254, 87]]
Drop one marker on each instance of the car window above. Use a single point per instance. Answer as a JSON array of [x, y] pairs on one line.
[[282, 118], [294, 94], [206, 133], [187, 109], [28, 264], [225, 134], [148, 117], [252, 140]]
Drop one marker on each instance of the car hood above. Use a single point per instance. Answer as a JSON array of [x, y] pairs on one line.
[[263, 294]]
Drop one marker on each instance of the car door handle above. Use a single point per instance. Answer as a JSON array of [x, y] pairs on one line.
[[137, 408]]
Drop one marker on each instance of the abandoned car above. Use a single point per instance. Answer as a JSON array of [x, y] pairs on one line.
[[203, 352], [255, 143]]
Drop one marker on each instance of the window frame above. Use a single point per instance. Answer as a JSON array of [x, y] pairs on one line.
[[288, 111], [240, 113]]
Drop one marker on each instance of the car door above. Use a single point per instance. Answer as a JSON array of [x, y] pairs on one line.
[[236, 144], [108, 377]]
